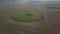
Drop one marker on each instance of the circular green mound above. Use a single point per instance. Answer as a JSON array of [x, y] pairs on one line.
[[27, 16]]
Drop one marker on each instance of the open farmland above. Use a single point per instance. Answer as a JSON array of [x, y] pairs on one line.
[[51, 19]]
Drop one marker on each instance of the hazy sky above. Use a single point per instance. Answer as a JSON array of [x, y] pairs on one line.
[[33, 0], [53, 0], [41, 0]]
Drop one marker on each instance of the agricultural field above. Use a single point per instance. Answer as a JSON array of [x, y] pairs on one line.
[[48, 25]]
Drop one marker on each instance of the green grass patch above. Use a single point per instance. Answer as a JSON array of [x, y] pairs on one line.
[[27, 16]]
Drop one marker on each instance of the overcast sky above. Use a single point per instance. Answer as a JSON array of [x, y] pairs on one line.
[[36, 0], [41, 0], [53, 0]]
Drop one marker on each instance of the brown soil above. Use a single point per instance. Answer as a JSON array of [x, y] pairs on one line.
[[51, 20]]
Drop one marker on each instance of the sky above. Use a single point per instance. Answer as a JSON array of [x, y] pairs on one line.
[[33, 0], [53, 0], [42, 0]]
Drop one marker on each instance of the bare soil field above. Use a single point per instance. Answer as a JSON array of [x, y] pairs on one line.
[[50, 23]]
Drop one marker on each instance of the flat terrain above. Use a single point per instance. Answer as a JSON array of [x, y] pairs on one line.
[[53, 17], [8, 26]]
